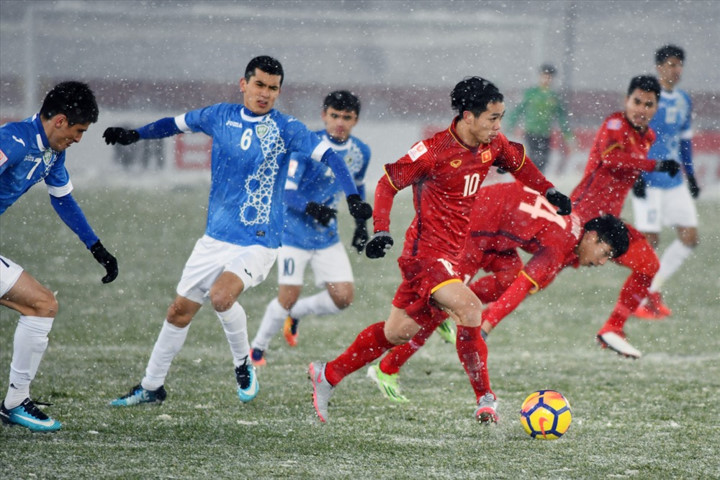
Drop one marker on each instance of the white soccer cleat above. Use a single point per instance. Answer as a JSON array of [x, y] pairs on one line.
[[616, 342], [322, 390]]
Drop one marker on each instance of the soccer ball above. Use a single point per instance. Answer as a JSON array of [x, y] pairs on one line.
[[546, 414]]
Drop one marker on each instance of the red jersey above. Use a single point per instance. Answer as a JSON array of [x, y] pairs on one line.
[[508, 216], [446, 176], [617, 156]]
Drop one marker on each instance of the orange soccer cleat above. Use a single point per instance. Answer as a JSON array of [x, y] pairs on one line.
[[653, 308]]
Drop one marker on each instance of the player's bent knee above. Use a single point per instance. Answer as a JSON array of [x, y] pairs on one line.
[[46, 304]]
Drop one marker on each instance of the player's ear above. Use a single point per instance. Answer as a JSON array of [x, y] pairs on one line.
[[243, 84], [59, 120]]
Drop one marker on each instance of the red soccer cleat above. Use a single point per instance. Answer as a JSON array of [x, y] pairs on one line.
[[653, 308]]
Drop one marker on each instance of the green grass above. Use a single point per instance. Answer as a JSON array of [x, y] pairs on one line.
[[653, 418]]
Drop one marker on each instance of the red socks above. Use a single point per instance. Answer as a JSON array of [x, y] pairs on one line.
[[369, 345], [473, 353]]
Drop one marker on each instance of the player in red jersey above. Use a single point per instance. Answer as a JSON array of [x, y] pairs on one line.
[[445, 172], [506, 217], [618, 155]]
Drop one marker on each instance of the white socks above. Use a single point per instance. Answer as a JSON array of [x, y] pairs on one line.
[[671, 260], [234, 322], [271, 324], [29, 345], [318, 304], [167, 345]]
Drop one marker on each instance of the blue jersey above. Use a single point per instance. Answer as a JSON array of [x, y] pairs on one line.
[[310, 181], [672, 123], [250, 156], [26, 159]]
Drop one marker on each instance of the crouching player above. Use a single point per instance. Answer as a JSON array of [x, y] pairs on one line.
[[505, 218]]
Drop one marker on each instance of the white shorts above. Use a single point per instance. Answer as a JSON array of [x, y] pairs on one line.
[[329, 265], [212, 257], [664, 207], [9, 274]]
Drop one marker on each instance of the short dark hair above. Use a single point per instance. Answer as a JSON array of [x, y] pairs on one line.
[[342, 100], [612, 231], [267, 64], [647, 83], [667, 51], [75, 100], [474, 94], [548, 68]]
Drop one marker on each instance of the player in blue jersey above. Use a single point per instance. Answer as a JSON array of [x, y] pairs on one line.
[[659, 199], [251, 148], [311, 230], [32, 151]]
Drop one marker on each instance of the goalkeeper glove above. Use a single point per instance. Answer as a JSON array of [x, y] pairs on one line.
[[639, 187], [360, 237], [120, 135], [358, 209], [559, 200], [321, 213]]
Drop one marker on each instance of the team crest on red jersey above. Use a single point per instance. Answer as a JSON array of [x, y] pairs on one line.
[[486, 156], [455, 163]]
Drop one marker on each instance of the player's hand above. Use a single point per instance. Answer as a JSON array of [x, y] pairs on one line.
[[379, 245], [113, 135], [639, 187], [671, 167], [559, 200], [693, 186], [105, 259], [323, 214], [358, 209], [360, 237]]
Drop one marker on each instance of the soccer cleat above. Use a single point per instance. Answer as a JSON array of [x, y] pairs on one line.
[[290, 331], [258, 357], [138, 395], [615, 341], [447, 331], [322, 390], [388, 384], [28, 415], [248, 386], [486, 409], [653, 308]]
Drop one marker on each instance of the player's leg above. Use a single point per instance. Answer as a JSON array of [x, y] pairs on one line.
[[643, 262], [246, 267], [277, 312], [504, 268], [472, 351], [37, 307]]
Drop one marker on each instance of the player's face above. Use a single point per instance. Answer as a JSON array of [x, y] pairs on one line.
[[61, 134], [669, 73], [592, 252], [486, 126], [640, 106], [260, 92], [339, 123]]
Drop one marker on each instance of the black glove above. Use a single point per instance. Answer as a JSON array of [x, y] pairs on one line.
[[559, 200], [120, 135], [639, 187], [360, 237], [500, 169], [320, 212], [670, 166], [104, 258], [379, 245], [358, 209], [693, 186]]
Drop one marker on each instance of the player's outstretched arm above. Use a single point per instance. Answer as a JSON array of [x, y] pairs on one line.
[[165, 127]]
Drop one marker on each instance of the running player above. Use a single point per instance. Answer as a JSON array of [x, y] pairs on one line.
[[32, 151], [660, 199], [251, 149], [618, 155], [310, 235], [507, 217], [446, 172]]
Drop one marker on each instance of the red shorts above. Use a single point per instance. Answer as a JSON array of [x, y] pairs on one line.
[[421, 277]]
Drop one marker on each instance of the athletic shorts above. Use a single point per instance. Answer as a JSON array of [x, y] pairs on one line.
[[421, 277], [212, 257], [9, 274], [664, 207], [329, 265]]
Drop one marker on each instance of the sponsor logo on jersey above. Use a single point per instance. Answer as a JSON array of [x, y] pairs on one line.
[[3, 157], [19, 140], [417, 151], [614, 124], [261, 130], [233, 123], [486, 156], [455, 163]]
